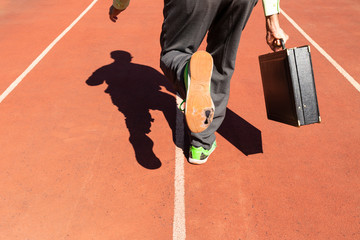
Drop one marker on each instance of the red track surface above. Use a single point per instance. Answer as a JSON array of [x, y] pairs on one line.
[[69, 171]]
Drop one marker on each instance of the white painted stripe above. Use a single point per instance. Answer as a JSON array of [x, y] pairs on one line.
[[179, 224], [322, 51], [42, 55]]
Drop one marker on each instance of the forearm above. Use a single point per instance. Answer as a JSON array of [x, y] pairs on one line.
[[121, 4], [271, 7], [273, 30], [272, 22]]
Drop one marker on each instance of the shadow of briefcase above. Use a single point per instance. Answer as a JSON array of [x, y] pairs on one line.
[[289, 87]]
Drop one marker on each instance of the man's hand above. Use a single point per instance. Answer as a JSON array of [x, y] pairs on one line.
[[113, 12], [274, 33]]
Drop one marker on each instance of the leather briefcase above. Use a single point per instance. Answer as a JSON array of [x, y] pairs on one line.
[[289, 87]]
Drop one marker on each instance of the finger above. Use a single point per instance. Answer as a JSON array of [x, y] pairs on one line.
[[277, 49], [277, 43], [112, 18], [274, 47], [111, 9]]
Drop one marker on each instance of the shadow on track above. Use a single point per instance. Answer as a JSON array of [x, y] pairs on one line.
[[241, 134], [136, 89]]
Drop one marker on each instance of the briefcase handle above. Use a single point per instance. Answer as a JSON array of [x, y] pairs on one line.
[[282, 43]]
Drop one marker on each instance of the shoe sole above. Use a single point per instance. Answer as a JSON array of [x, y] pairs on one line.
[[199, 109], [197, 162]]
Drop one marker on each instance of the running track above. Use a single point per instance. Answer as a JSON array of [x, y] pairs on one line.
[[69, 171]]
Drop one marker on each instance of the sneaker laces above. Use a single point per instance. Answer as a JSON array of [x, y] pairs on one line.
[[181, 105]]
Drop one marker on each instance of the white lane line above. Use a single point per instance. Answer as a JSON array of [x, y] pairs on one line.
[[322, 51], [42, 55], [179, 224]]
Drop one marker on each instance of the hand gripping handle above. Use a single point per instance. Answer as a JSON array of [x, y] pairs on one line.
[[281, 44]]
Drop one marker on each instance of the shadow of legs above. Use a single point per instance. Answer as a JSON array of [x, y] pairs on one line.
[[136, 89], [241, 134], [144, 153]]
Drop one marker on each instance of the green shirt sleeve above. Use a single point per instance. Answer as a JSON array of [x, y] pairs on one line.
[[271, 7]]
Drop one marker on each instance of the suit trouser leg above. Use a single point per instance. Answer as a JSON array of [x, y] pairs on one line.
[[186, 23]]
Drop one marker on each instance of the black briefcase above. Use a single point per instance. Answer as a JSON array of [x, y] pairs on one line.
[[289, 87]]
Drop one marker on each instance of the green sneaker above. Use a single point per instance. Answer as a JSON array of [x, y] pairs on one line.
[[199, 107], [199, 155]]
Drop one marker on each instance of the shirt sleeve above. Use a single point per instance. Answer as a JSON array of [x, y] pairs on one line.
[[271, 7], [121, 4]]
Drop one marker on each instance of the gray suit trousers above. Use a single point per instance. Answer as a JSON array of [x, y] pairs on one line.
[[186, 23]]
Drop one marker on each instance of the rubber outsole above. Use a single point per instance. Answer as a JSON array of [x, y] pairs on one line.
[[199, 109]]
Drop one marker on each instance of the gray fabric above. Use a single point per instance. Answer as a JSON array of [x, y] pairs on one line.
[[186, 23]]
